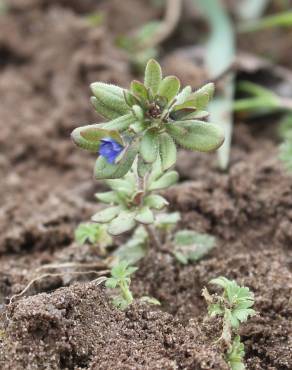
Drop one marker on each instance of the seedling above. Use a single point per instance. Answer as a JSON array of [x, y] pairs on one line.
[[138, 146], [234, 306], [94, 234], [121, 279]]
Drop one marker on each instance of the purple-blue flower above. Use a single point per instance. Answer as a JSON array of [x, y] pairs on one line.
[[110, 149]]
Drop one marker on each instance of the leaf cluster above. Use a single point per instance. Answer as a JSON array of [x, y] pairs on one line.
[[93, 233], [149, 120], [130, 204], [234, 306], [121, 279]]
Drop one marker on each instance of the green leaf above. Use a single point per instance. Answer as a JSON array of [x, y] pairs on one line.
[[104, 110], [138, 112], [144, 216], [243, 314], [137, 127], [92, 233], [149, 146], [135, 248], [143, 167], [167, 150], [183, 95], [121, 123], [235, 355], [130, 98], [153, 76], [192, 245], [121, 224], [107, 197], [187, 104], [155, 201], [197, 115], [106, 214], [167, 220], [169, 87], [95, 134], [111, 96], [105, 170], [150, 300], [124, 185], [84, 138], [139, 90], [196, 135], [165, 181], [203, 96], [111, 283]]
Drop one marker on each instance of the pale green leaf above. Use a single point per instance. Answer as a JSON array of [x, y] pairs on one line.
[[149, 146], [144, 216], [165, 181], [167, 150], [106, 214], [196, 135], [155, 201], [121, 224], [169, 87], [121, 123], [153, 76], [111, 96]]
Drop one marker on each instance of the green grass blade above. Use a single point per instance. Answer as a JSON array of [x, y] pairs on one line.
[[219, 57]]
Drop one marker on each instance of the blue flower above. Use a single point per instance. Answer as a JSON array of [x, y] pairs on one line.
[[110, 149]]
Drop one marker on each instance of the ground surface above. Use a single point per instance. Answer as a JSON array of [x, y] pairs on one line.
[[48, 56]]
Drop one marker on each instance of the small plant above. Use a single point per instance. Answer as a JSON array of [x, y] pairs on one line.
[[121, 279], [94, 234], [138, 146], [234, 306]]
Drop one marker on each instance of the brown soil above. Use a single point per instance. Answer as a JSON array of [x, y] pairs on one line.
[[48, 56]]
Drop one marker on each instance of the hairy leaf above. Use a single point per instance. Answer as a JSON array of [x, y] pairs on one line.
[[106, 214], [111, 96], [155, 201], [165, 181], [121, 224], [144, 216], [153, 76], [196, 135], [149, 146], [121, 123], [167, 150], [169, 87]]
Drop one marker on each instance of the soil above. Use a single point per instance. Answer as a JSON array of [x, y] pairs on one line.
[[49, 54]]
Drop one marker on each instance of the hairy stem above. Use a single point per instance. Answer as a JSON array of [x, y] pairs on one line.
[[153, 236], [127, 295]]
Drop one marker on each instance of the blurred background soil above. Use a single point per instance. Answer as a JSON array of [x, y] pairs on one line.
[[49, 54]]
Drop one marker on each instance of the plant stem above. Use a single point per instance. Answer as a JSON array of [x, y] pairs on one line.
[[153, 237], [127, 295]]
